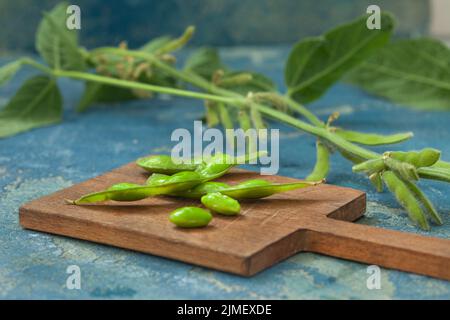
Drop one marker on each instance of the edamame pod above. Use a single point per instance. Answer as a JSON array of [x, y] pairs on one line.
[[442, 164], [251, 189], [190, 217], [164, 164], [157, 178], [371, 139], [370, 166], [322, 166], [204, 188], [256, 189], [426, 203], [406, 198], [220, 203], [220, 164], [377, 182], [435, 173], [406, 170], [133, 192], [424, 158]]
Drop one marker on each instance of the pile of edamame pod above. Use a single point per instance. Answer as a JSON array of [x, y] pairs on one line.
[[194, 181]]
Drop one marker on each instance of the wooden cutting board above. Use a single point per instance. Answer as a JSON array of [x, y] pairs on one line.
[[317, 219]]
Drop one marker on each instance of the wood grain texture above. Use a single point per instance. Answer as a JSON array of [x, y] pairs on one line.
[[317, 219]]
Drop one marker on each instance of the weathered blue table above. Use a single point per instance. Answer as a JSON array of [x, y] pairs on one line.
[[33, 265]]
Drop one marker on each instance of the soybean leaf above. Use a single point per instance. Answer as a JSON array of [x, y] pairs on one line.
[[98, 93], [371, 139], [204, 62], [36, 104], [56, 44], [411, 72], [315, 64], [9, 70]]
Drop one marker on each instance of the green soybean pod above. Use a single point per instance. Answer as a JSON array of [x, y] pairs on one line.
[[406, 170], [118, 192], [185, 180], [372, 139], [442, 164], [200, 190], [221, 203], [133, 192], [157, 179], [164, 164], [126, 196], [258, 188], [322, 166], [370, 166], [212, 114], [406, 198], [435, 173], [426, 203], [377, 182], [190, 217], [424, 158]]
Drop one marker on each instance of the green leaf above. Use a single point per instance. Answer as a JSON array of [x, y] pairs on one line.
[[204, 62], [36, 104], [372, 139], [98, 93], [315, 64], [56, 44], [9, 70], [411, 72]]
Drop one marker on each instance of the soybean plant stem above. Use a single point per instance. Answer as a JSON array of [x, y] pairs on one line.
[[230, 98]]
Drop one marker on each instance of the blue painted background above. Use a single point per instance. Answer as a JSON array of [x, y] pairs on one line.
[[33, 164], [219, 22]]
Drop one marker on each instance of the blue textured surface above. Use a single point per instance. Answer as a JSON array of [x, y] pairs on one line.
[[33, 265], [219, 22]]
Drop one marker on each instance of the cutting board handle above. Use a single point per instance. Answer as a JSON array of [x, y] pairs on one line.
[[391, 249]]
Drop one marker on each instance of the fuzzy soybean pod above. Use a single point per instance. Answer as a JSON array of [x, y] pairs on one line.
[[372, 139], [424, 158], [442, 165], [221, 203], [377, 182], [370, 166], [406, 198], [406, 170], [426, 203], [322, 166]]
